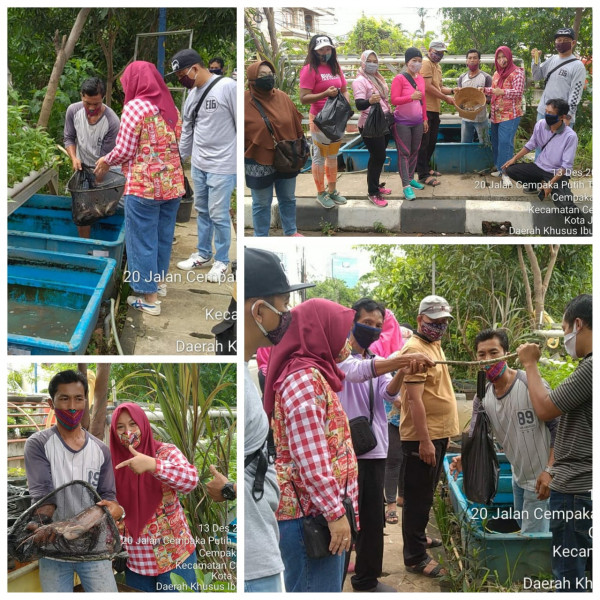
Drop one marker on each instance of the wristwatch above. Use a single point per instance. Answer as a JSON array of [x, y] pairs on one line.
[[228, 491], [549, 470]]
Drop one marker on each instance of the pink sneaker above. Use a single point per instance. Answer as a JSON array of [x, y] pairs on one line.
[[296, 235], [377, 200], [384, 190]]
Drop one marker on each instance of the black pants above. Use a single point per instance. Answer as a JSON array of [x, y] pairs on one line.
[[394, 466], [420, 481], [369, 543], [428, 145], [530, 175], [377, 151]]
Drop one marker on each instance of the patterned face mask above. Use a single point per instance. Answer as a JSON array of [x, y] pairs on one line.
[[345, 352], [69, 419], [493, 372], [433, 331], [285, 320]]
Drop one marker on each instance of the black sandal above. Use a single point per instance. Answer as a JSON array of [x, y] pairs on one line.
[[435, 543], [419, 569]]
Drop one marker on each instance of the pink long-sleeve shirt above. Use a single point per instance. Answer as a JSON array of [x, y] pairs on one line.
[[408, 111], [363, 89]]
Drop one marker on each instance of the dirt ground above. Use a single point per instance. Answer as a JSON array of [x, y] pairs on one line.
[[394, 573]]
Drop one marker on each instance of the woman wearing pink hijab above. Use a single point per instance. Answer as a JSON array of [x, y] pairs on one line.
[[506, 111], [148, 477], [147, 147]]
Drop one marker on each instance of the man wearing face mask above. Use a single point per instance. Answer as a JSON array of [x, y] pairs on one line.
[[429, 419], [475, 78], [90, 130], [549, 175], [266, 319], [527, 440], [363, 395], [209, 136], [216, 66], [435, 92], [60, 455], [563, 74], [571, 475]]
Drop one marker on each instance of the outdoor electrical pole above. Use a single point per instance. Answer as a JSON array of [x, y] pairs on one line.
[[433, 275], [162, 26]]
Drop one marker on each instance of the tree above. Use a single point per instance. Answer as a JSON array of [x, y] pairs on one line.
[[64, 50], [337, 291], [379, 35]]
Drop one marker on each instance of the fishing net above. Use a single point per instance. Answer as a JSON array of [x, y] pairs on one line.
[[92, 199], [80, 531]]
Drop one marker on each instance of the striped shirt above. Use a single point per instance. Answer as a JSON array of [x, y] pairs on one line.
[[573, 447], [526, 440]]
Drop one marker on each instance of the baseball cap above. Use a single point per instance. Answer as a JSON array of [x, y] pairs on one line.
[[323, 41], [435, 307], [183, 60], [567, 31], [264, 275], [438, 46]]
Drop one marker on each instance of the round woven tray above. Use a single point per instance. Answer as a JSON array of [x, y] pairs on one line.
[[471, 98]]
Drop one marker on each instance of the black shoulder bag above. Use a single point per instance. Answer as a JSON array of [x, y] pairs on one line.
[[361, 429], [558, 67], [290, 155]]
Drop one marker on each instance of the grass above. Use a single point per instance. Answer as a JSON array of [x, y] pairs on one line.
[[327, 228]]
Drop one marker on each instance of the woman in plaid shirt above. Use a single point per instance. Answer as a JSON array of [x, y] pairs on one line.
[[507, 93], [147, 148], [316, 465], [148, 476]]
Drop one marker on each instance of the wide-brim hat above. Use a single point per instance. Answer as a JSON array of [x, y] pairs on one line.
[[469, 102]]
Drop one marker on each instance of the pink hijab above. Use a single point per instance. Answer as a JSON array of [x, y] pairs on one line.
[[390, 339], [377, 80], [315, 338], [139, 495], [510, 65], [142, 80]]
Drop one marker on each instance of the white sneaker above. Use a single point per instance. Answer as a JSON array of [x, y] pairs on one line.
[[162, 289], [138, 303], [506, 182], [218, 272], [195, 261], [496, 174]]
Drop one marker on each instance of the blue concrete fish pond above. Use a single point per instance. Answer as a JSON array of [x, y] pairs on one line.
[[44, 222], [509, 556], [450, 155], [54, 300]]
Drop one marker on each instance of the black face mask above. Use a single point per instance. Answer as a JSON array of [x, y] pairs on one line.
[[265, 83], [216, 71], [365, 335], [551, 119]]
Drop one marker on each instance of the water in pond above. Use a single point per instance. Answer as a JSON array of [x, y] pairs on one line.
[[41, 320]]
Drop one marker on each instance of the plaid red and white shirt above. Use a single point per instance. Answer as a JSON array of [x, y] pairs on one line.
[[147, 149], [508, 106], [176, 475], [314, 448]]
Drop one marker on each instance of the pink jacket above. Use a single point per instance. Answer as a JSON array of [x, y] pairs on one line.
[[363, 89], [408, 111]]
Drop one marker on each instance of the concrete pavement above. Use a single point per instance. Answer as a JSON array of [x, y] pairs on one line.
[[463, 204]]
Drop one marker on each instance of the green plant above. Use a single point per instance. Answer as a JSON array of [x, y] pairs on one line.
[[15, 472], [554, 373], [379, 227], [327, 228]]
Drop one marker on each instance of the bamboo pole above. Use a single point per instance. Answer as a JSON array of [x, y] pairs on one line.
[[478, 363]]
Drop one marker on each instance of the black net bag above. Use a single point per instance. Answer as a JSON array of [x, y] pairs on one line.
[[80, 531], [94, 200]]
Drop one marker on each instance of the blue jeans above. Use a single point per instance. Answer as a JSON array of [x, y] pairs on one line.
[[149, 228], [468, 128], [503, 141], [304, 574], [212, 199], [162, 583], [530, 509], [571, 534], [57, 576], [272, 583], [261, 207]]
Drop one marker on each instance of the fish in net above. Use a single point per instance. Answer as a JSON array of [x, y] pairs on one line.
[[80, 530], [471, 105]]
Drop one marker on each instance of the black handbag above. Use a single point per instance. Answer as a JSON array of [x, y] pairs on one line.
[[290, 155], [376, 124], [361, 429]]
